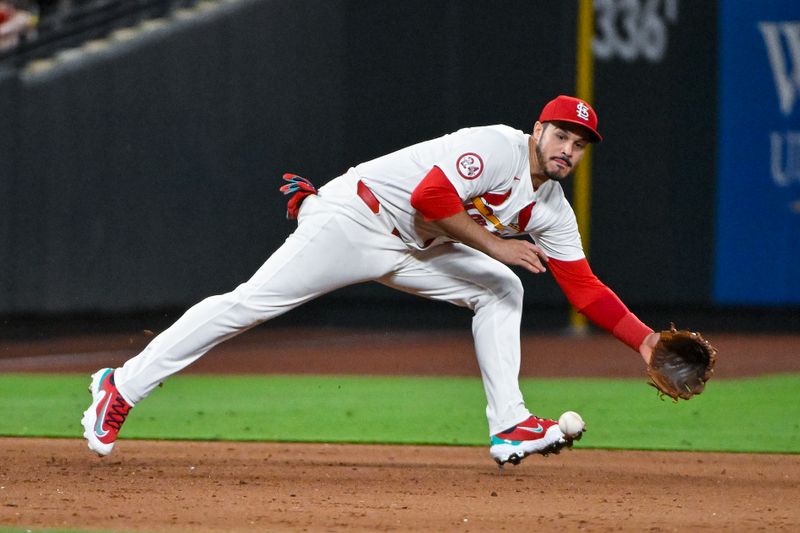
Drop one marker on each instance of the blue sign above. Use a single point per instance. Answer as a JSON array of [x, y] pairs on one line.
[[758, 191]]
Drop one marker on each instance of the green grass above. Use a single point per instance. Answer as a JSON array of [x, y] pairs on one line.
[[747, 415]]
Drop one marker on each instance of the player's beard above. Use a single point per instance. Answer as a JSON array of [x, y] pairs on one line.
[[543, 166]]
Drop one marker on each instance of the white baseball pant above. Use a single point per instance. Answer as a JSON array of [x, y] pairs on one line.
[[339, 241]]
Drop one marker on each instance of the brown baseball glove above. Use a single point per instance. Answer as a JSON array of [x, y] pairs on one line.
[[681, 363]]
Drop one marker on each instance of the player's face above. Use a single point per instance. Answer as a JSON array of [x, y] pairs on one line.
[[558, 149]]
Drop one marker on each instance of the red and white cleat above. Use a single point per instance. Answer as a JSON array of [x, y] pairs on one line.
[[534, 435], [104, 418]]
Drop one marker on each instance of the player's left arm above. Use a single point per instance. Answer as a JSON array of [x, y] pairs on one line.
[[602, 306]]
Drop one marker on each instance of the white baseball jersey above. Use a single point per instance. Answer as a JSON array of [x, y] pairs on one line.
[[489, 167]]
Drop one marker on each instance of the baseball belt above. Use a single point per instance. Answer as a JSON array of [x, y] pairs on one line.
[[368, 198]]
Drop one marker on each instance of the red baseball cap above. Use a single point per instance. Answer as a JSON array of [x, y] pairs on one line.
[[570, 109]]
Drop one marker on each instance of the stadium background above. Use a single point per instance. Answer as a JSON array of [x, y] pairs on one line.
[[139, 168]]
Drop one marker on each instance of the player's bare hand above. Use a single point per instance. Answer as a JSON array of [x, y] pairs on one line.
[[520, 253], [648, 344]]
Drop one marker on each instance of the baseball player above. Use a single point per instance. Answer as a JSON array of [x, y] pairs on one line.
[[430, 219]]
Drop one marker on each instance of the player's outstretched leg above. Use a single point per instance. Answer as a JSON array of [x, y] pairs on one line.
[[534, 435], [105, 416]]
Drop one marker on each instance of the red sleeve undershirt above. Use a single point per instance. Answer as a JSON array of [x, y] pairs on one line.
[[435, 197], [599, 303]]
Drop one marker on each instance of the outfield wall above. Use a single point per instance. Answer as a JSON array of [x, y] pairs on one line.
[[141, 172]]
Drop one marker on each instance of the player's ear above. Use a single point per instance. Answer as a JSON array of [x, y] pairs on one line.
[[538, 129]]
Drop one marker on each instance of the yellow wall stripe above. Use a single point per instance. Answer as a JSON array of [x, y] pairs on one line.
[[584, 87]]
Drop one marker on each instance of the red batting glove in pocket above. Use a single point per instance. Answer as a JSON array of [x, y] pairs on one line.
[[299, 188]]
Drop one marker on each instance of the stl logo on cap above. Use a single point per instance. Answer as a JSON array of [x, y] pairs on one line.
[[583, 111], [469, 166]]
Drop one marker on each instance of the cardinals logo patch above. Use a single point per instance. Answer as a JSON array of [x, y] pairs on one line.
[[470, 166]]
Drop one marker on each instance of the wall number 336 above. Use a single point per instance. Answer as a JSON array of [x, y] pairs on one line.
[[630, 29]]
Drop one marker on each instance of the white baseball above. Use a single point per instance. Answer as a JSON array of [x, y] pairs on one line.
[[571, 424]]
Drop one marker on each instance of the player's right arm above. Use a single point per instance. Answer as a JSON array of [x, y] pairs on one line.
[[517, 252], [437, 200]]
